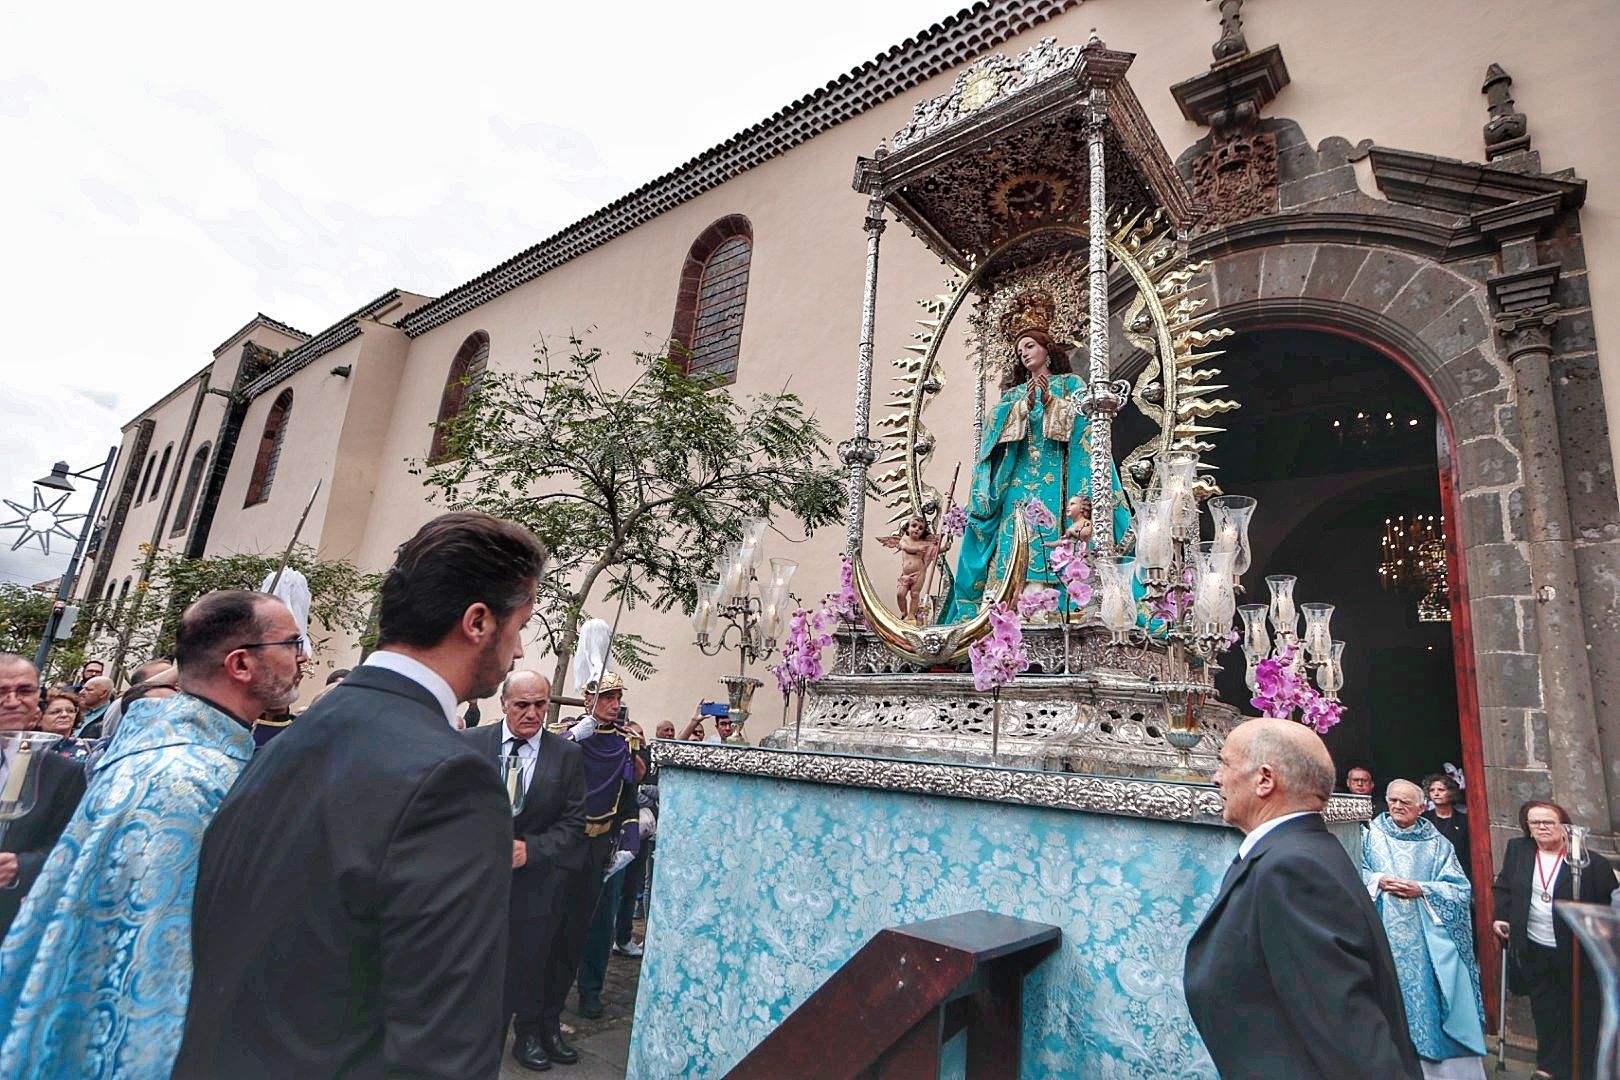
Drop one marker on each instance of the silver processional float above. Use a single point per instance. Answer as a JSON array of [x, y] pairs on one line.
[[1085, 577]]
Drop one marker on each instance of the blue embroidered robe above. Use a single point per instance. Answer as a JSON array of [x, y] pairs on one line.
[[1431, 937], [96, 972], [1030, 451]]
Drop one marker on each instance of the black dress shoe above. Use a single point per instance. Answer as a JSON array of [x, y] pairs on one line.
[[590, 1006], [527, 1052], [557, 1050]]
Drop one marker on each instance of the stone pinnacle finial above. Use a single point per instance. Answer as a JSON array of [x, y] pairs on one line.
[[1094, 41], [1231, 42], [1506, 132]]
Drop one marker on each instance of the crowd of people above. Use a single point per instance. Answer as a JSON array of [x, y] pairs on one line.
[[381, 888], [386, 891]]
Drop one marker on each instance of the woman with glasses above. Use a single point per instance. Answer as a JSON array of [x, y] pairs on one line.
[[60, 717], [1535, 876]]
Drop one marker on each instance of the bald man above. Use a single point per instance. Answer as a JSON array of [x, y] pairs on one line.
[[93, 700], [1290, 974], [548, 848]]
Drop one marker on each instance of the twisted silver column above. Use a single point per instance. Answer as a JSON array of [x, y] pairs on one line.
[[1102, 399], [859, 451]]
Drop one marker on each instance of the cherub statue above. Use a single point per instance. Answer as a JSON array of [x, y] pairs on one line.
[[918, 546], [1078, 512]]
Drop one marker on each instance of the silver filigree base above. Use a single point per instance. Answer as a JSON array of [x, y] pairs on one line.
[[1104, 723]]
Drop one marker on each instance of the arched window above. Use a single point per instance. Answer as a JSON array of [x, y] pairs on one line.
[[264, 465], [163, 467], [714, 289], [466, 371], [146, 480], [104, 611], [188, 494]]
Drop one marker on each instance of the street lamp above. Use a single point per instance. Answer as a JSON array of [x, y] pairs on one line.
[[45, 519]]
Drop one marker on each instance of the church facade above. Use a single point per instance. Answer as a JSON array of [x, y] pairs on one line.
[[1429, 186]]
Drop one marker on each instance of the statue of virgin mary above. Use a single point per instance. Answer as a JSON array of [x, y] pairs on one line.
[[1036, 448]]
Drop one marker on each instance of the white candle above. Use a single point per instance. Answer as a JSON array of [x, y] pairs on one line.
[[1116, 612], [19, 773]]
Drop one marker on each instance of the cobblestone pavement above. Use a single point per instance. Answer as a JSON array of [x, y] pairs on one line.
[[603, 1045]]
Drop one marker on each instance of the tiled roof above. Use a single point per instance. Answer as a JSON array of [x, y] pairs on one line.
[[261, 317], [939, 48], [338, 334]]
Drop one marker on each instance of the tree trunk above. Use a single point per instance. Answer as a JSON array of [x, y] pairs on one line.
[[559, 677]]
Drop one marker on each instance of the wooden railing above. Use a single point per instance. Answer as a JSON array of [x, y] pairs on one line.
[[890, 1010]]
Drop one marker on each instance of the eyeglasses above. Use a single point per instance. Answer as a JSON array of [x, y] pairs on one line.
[[295, 641], [22, 690], [1544, 824]]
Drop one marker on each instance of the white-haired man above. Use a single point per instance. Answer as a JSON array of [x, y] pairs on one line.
[[1423, 896]]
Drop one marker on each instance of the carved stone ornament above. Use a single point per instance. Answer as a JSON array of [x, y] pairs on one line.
[[1507, 131], [1236, 178], [1163, 800], [991, 78]]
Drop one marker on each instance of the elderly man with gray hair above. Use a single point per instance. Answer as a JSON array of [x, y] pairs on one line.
[[1423, 897], [1290, 973]]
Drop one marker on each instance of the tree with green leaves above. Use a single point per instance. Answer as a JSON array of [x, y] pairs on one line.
[[634, 491], [23, 613], [341, 596]]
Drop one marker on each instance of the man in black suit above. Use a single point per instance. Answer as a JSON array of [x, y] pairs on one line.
[[548, 846], [1290, 974], [352, 894], [61, 784]]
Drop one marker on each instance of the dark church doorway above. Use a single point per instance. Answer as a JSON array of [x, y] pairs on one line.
[[1339, 444]]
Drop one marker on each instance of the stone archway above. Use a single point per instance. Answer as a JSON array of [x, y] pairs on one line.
[[1431, 321]]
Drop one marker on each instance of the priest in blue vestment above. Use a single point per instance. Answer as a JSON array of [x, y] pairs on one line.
[[1424, 899], [95, 974]]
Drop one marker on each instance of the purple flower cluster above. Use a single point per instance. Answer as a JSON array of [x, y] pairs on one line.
[[998, 658], [844, 603], [808, 634], [1279, 689], [1039, 516], [955, 521], [1073, 570], [1036, 599]]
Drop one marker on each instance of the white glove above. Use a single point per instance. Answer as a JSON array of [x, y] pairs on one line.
[[583, 730], [621, 859]]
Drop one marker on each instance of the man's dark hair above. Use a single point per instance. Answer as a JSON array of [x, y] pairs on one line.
[[338, 676], [213, 626], [452, 563]]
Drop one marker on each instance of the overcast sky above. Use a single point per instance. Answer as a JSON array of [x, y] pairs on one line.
[[172, 169]]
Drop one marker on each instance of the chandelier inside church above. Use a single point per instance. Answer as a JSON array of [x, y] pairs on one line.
[[1412, 558]]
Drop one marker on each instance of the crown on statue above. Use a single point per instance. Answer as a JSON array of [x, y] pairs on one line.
[[1033, 309]]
